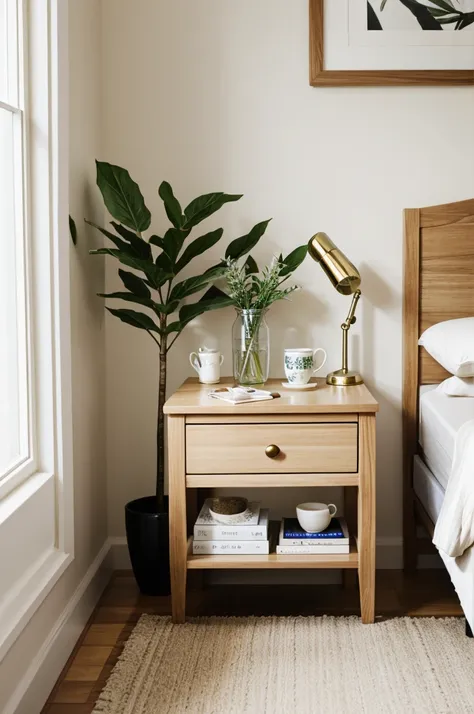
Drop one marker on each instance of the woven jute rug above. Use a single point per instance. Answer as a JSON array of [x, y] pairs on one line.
[[286, 665]]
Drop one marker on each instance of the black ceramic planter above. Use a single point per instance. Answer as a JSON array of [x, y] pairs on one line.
[[148, 545]]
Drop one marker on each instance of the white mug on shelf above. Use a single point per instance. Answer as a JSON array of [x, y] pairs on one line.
[[207, 363], [315, 517], [299, 364]]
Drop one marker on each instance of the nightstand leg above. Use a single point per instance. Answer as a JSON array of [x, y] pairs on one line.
[[366, 517], [349, 577], [177, 517]]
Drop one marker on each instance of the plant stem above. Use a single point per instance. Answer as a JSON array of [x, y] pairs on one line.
[[160, 432], [173, 341], [254, 327]]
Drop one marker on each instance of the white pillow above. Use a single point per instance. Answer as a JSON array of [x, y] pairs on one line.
[[457, 387], [451, 343]]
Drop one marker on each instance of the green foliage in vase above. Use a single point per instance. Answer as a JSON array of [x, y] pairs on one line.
[[249, 291], [157, 261]]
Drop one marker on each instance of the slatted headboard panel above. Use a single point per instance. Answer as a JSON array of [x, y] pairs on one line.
[[446, 282], [438, 286]]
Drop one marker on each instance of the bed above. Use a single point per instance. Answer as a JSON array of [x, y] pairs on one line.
[[438, 286]]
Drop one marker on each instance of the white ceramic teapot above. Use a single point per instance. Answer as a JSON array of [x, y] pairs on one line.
[[207, 363]]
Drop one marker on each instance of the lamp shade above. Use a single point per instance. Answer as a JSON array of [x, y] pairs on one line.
[[341, 272]]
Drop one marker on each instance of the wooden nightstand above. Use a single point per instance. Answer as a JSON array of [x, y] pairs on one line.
[[326, 438]]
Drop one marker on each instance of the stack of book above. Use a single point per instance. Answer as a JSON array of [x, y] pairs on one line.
[[296, 541], [248, 537]]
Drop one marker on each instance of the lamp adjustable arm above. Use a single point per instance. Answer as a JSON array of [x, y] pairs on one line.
[[350, 320]]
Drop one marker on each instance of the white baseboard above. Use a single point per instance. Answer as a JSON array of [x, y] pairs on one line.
[[37, 682], [118, 557]]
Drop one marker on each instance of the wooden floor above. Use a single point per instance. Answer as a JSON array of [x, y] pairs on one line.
[[429, 593]]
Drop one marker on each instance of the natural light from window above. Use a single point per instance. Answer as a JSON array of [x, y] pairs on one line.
[[14, 438]]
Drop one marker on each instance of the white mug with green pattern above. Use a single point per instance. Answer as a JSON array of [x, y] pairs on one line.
[[299, 364]]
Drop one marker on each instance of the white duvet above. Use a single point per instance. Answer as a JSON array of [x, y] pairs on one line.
[[454, 532]]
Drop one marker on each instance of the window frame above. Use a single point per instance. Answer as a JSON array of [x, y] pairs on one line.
[[47, 199], [43, 103]]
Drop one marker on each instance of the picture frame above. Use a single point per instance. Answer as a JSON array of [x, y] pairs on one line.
[[322, 76]]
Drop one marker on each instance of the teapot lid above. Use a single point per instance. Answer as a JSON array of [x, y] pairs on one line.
[[208, 350]]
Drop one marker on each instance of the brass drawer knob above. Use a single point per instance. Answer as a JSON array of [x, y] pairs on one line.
[[272, 451]]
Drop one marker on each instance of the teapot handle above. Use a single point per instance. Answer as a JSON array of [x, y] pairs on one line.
[[194, 361]]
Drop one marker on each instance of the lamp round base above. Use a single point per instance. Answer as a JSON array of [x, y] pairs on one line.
[[340, 378]]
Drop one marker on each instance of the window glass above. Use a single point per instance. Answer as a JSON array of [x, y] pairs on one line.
[[10, 359], [3, 50]]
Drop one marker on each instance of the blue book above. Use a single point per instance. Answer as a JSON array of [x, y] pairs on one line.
[[335, 533]]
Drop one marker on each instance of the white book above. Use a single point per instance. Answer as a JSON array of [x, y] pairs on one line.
[[221, 532], [313, 549], [231, 547], [311, 542], [240, 395], [250, 518]]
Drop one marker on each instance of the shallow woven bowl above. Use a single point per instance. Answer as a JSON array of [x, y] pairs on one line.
[[228, 509]]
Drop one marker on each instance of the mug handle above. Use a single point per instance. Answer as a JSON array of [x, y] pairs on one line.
[[320, 349], [193, 358], [221, 360], [331, 505]]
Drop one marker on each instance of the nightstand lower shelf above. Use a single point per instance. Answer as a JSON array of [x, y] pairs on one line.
[[272, 560]]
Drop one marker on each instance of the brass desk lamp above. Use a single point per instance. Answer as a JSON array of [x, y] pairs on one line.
[[346, 279]]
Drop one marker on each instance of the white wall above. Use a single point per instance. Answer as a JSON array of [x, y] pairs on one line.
[[46, 642], [214, 95]]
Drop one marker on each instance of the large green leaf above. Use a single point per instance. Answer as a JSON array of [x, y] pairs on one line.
[[173, 242], [122, 197], [169, 308], [118, 242], [241, 246], [135, 284], [158, 241], [176, 326], [123, 257], [141, 246], [157, 307], [250, 266], [294, 259], [164, 262], [130, 297], [212, 300], [136, 319], [204, 206], [155, 275], [73, 230], [172, 205], [196, 283], [199, 246]]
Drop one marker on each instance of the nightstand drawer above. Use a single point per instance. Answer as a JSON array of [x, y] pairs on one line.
[[244, 448]]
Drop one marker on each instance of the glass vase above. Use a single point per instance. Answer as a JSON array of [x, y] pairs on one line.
[[251, 347]]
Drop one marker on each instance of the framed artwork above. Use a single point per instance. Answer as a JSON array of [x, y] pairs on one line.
[[391, 42]]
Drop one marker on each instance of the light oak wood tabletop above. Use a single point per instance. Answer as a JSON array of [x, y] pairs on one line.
[[193, 398]]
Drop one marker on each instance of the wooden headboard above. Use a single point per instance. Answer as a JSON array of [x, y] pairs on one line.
[[438, 286]]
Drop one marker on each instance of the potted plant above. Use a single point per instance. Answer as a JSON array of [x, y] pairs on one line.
[[156, 262]]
